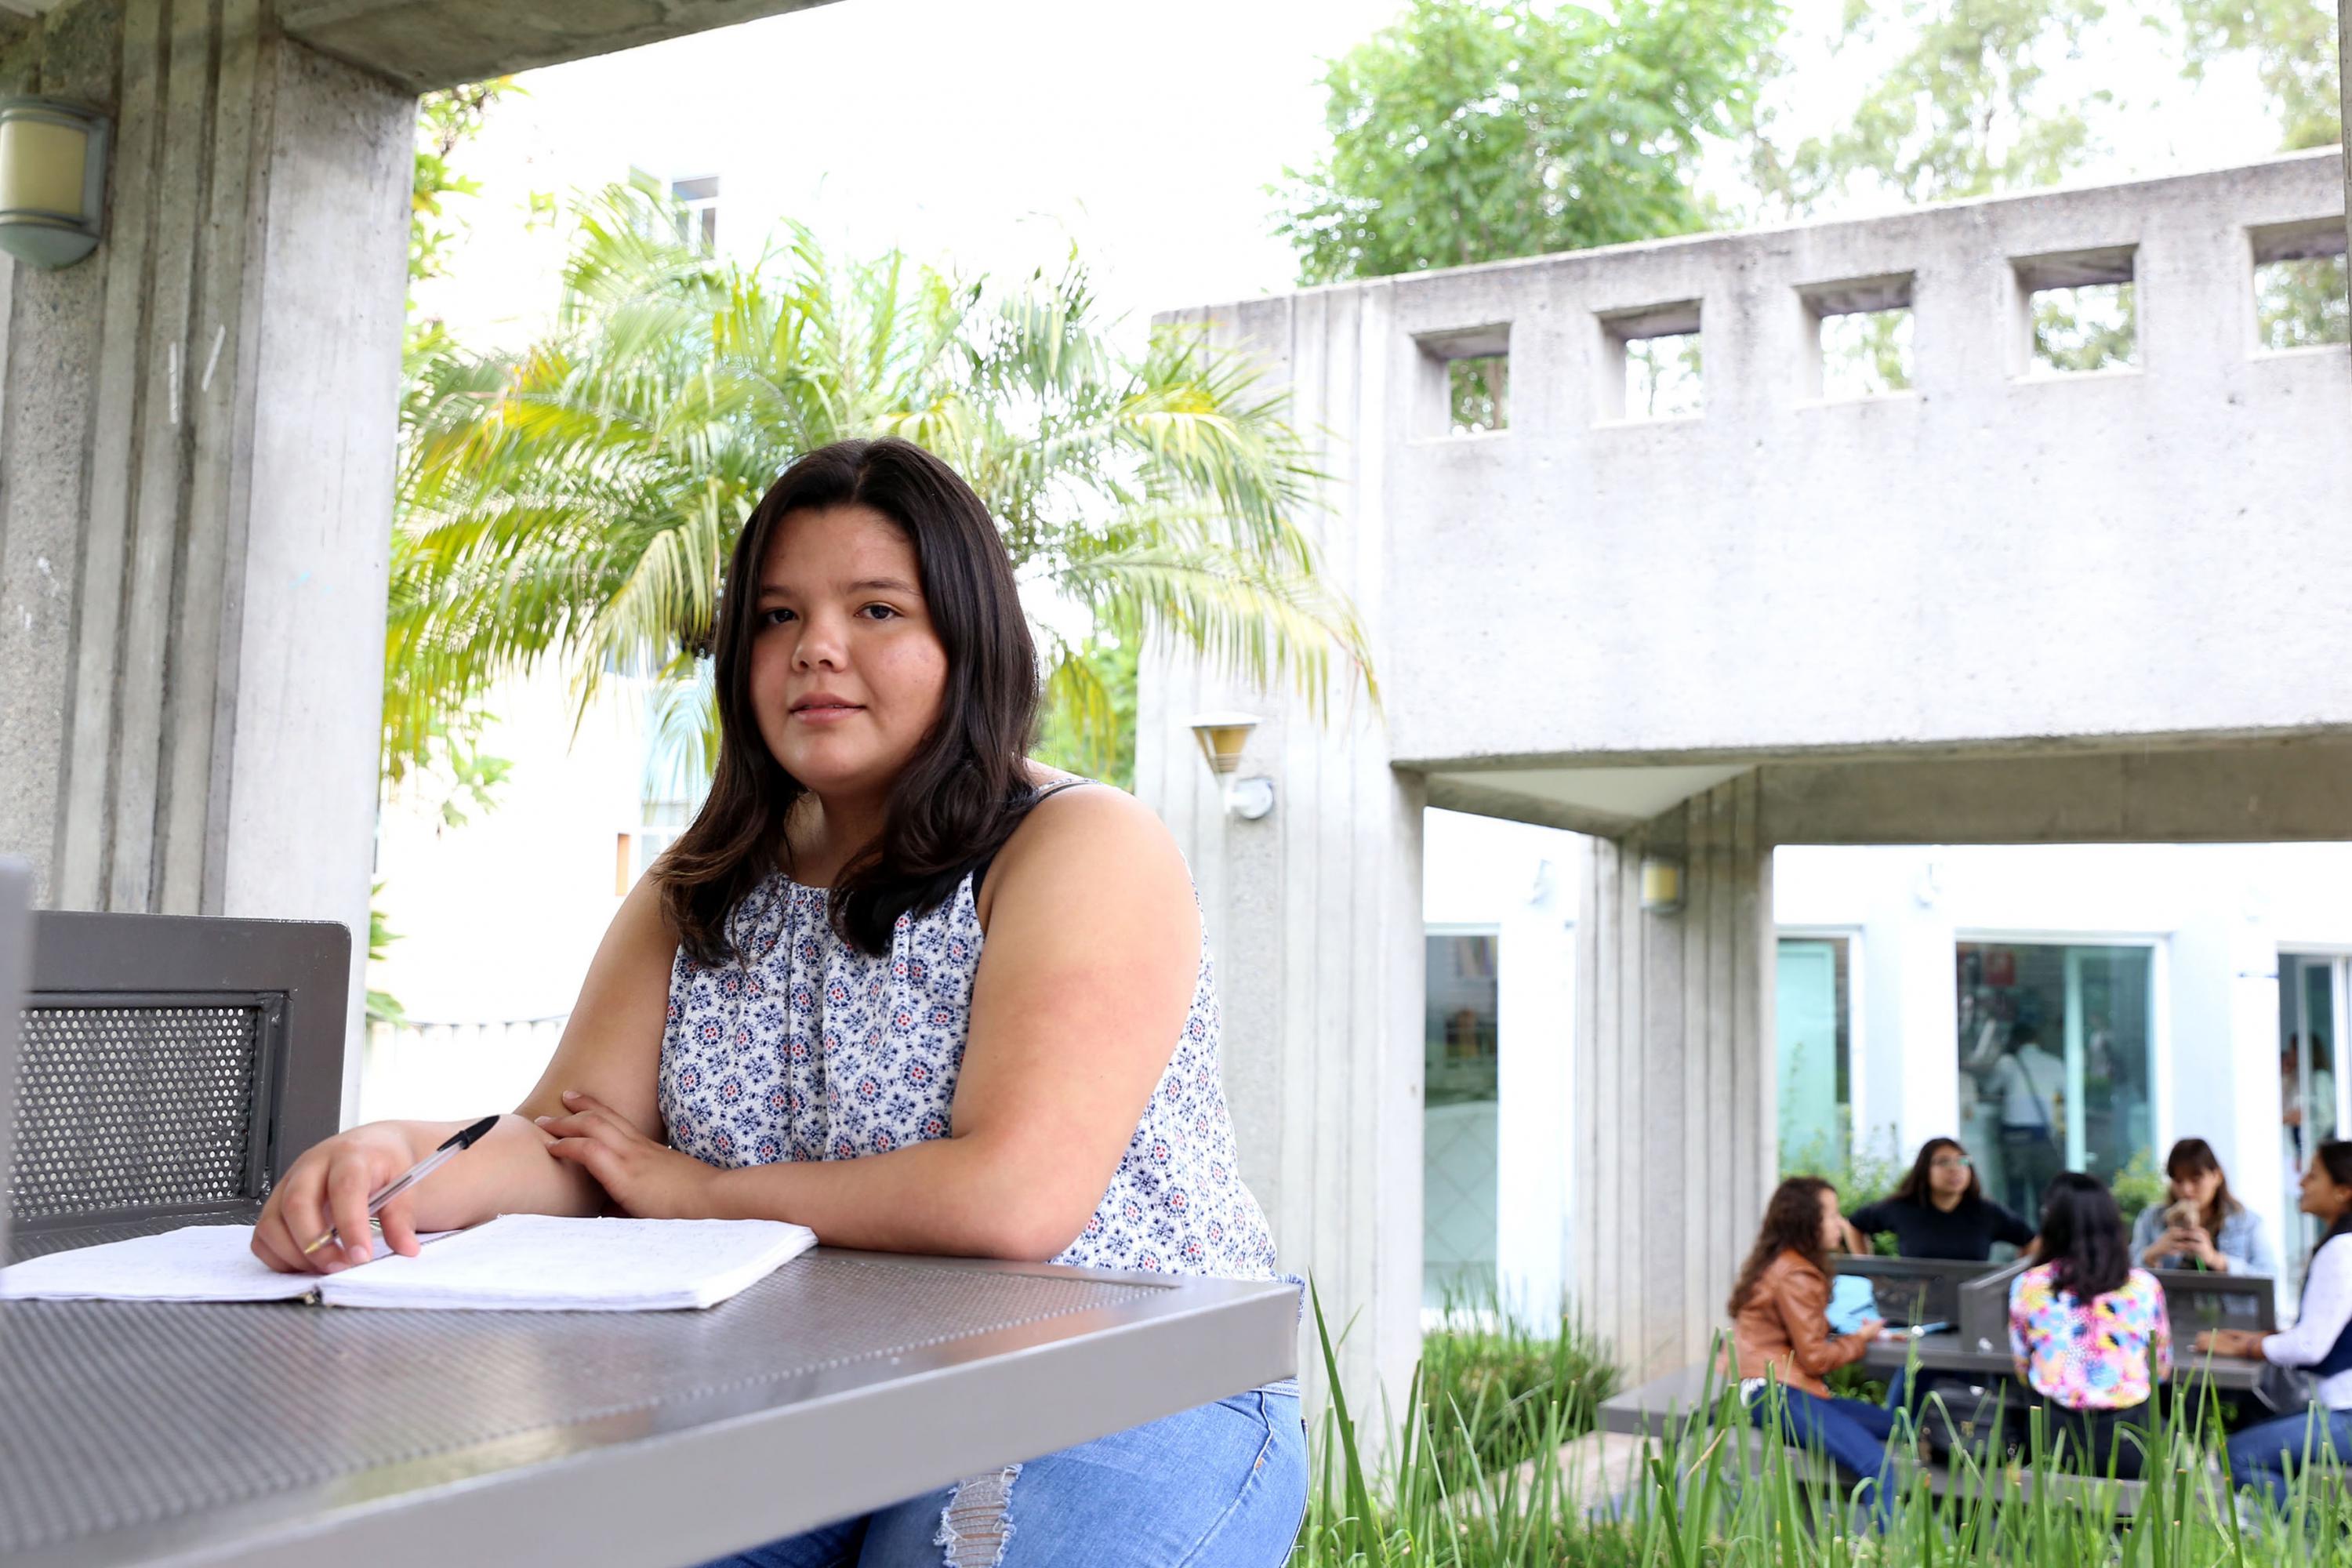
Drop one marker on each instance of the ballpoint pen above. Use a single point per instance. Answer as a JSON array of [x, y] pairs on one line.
[[457, 1144]]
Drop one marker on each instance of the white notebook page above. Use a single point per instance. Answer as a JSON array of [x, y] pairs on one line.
[[544, 1263], [519, 1262], [194, 1263]]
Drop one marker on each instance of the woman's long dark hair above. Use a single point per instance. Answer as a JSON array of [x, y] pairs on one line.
[[1915, 1188], [1793, 1223], [2194, 1157], [965, 790], [2083, 1236], [2337, 1155]]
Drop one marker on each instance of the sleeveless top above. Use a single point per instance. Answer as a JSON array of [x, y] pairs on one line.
[[805, 1047]]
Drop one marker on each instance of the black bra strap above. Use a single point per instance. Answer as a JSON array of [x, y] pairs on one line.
[[980, 868]]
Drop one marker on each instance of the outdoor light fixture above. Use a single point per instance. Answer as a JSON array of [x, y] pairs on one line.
[[1662, 884], [1222, 738], [52, 180]]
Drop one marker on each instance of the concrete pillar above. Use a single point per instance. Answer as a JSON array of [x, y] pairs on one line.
[[1671, 1150], [196, 432], [1315, 911]]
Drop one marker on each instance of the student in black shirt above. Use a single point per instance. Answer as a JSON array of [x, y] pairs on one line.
[[1941, 1210]]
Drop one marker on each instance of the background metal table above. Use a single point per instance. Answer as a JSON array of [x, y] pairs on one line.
[[286, 1434], [1946, 1354]]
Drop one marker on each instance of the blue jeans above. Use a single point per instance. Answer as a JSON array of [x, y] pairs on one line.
[[2266, 1453], [1223, 1485], [1849, 1431]]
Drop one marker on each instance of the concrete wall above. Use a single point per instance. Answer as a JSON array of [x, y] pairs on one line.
[[1315, 913], [2000, 607], [196, 429], [2012, 552]]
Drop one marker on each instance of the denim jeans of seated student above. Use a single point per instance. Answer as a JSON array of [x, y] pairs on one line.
[[1223, 1485], [1853, 1432], [2267, 1453]]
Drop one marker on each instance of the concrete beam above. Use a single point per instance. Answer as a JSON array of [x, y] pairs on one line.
[[425, 44], [2281, 791]]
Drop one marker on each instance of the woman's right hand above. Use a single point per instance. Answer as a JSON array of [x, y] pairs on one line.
[[327, 1189]]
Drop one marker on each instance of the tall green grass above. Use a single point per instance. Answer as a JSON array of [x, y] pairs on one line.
[[1716, 1497], [1489, 1380]]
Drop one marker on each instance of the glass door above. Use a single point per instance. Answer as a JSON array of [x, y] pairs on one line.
[[2312, 997], [2056, 1047], [1460, 1135], [1810, 1045]]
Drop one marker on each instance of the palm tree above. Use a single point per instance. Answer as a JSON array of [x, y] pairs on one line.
[[579, 504]]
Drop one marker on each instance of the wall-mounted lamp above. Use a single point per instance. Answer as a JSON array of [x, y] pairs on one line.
[[1222, 738], [52, 180], [1662, 884]]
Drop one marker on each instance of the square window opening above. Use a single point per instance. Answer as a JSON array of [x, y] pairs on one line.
[[1464, 382], [2078, 312], [2301, 295], [1653, 363], [1860, 342]]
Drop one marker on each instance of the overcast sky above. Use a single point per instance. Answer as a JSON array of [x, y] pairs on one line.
[[993, 133]]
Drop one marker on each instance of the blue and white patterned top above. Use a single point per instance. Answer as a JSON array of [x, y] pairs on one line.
[[806, 1049]]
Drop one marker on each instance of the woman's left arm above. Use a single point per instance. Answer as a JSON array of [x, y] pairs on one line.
[[1092, 952]]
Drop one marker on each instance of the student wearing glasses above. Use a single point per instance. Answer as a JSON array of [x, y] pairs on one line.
[[1939, 1211]]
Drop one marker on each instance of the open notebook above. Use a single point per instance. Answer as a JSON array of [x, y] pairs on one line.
[[518, 1262]]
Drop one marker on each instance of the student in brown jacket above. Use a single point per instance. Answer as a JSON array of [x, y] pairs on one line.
[[1780, 1330]]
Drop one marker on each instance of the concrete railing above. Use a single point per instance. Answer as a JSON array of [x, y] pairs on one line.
[[1995, 554]]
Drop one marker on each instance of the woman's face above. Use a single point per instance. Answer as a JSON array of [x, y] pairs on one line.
[[847, 672], [1948, 1171], [2198, 1187], [1832, 1223], [2320, 1194]]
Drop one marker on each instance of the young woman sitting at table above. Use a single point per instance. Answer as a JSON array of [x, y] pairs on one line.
[[1780, 1332], [2202, 1226], [1941, 1210], [901, 985], [2320, 1343], [2088, 1331]]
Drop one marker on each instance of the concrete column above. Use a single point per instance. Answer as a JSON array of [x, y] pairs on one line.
[[1672, 1149], [1315, 910], [197, 430]]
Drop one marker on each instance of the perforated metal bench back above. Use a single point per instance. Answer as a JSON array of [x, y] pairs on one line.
[[172, 1065], [138, 1105]]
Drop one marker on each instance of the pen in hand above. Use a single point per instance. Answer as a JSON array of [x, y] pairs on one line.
[[457, 1144]]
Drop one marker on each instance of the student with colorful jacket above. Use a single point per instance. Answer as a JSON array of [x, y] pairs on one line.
[[2089, 1332]]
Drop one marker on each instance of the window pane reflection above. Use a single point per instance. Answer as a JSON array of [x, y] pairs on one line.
[[2055, 1060], [1459, 1148]]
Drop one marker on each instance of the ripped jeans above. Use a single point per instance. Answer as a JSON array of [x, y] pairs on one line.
[[1223, 1485]]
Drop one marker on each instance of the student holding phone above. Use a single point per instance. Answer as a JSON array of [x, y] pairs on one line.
[[2202, 1226]]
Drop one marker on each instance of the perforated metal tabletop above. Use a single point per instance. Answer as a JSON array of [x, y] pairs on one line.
[[290, 1434]]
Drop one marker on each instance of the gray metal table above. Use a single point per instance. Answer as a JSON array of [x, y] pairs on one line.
[[1947, 1353], [284, 1434]]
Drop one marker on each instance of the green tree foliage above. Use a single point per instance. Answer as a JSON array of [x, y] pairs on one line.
[[1965, 109], [447, 120], [1089, 728], [2293, 43], [1477, 130], [579, 503]]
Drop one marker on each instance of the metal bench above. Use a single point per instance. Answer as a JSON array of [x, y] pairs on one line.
[[1682, 1410], [172, 1067]]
